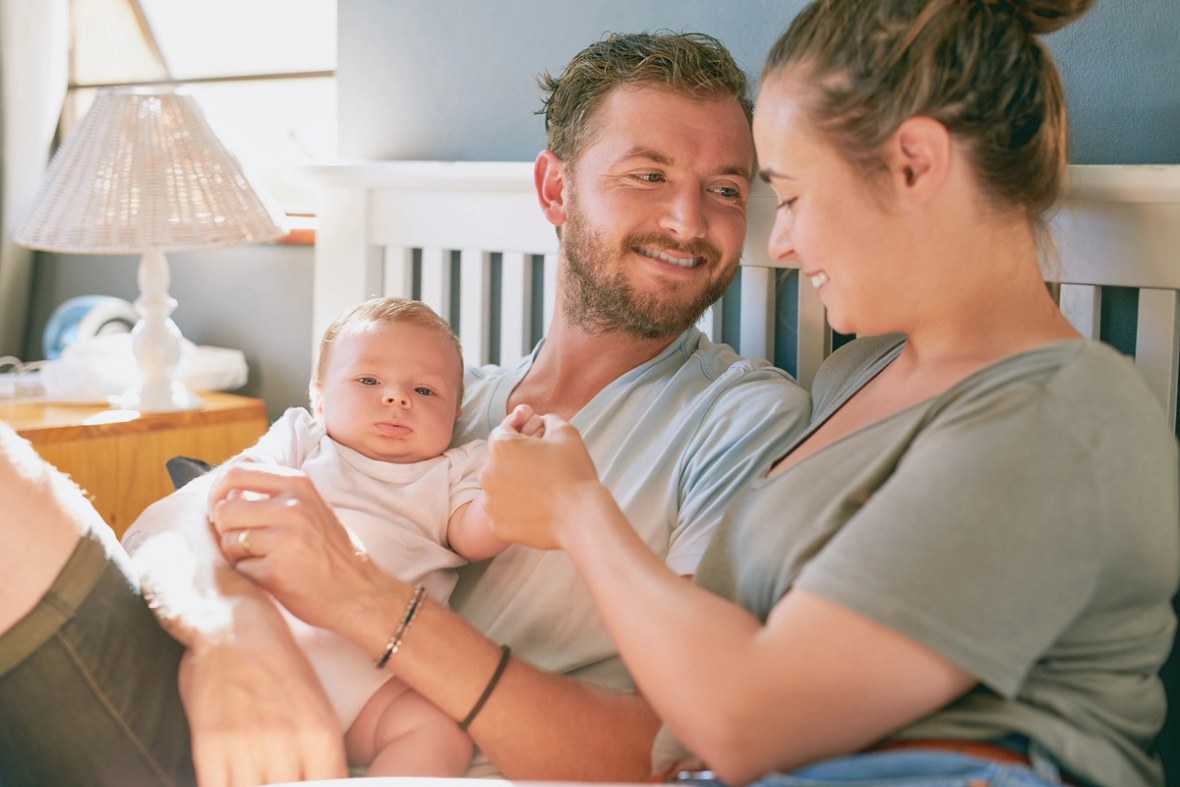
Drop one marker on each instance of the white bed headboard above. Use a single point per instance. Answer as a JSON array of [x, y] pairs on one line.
[[469, 239]]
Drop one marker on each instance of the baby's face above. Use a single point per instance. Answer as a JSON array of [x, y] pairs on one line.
[[391, 391]]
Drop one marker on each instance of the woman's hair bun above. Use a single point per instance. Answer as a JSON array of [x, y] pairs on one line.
[[1045, 16]]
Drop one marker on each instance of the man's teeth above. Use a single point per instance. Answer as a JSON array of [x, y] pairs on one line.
[[682, 262], [818, 279]]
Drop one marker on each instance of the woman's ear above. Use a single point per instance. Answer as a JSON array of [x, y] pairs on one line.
[[920, 156], [549, 178]]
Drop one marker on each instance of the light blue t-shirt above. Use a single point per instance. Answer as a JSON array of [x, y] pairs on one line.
[[674, 439]]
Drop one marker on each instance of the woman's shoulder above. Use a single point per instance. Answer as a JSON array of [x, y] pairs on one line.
[[1098, 381], [852, 364], [1077, 373]]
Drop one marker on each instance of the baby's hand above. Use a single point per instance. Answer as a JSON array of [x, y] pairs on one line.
[[524, 420]]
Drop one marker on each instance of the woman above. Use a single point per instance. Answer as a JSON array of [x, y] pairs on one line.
[[962, 571]]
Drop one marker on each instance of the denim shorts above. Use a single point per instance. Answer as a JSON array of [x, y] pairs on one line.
[[88, 687], [910, 768]]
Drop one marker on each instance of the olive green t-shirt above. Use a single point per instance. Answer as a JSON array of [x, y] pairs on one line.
[[1023, 523]]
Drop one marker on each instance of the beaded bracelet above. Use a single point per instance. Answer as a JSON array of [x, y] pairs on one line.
[[395, 641], [505, 651]]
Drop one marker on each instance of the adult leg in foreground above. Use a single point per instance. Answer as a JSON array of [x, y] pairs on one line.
[[87, 676]]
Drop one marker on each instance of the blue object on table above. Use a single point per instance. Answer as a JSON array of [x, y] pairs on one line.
[[86, 316]]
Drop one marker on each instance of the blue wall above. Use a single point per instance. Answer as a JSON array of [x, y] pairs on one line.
[[454, 79]]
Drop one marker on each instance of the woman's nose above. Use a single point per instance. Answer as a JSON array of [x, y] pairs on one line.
[[779, 244]]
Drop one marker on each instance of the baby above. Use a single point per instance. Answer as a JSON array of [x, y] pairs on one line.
[[385, 393]]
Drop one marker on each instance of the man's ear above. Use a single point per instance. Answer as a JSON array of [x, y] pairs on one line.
[[549, 179], [920, 156]]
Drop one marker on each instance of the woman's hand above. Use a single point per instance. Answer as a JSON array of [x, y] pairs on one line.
[[537, 470], [275, 528]]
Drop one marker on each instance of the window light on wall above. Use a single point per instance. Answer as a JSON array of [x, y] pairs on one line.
[[263, 72]]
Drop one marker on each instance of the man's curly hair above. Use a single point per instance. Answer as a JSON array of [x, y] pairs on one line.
[[695, 64]]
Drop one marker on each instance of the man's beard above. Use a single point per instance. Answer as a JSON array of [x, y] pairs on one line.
[[601, 301]]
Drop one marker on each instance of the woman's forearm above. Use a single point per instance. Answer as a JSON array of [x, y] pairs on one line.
[[688, 649], [816, 680]]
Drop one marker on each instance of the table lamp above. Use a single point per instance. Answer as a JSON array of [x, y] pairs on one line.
[[142, 172]]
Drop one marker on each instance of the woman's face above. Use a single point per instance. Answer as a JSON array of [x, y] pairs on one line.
[[831, 222]]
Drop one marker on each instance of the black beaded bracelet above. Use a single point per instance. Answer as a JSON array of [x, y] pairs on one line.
[[395, 641], [505, 651]]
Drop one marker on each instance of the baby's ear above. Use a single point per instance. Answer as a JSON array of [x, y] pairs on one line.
[[317, 402]]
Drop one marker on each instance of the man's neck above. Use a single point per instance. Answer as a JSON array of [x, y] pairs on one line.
[[574, 365]]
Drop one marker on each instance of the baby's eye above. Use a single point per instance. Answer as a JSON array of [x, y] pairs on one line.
[[422, 389], [367, 380]]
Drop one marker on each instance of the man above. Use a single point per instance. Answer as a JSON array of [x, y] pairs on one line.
[[646, 179]]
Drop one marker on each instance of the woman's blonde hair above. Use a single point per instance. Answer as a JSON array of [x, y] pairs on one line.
[[976, 66]]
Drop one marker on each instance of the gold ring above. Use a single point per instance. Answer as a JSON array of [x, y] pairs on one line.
[[244, 542]]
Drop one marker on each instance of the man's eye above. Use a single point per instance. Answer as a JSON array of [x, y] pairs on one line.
[[422, 389], [728, 191], [648, 177]]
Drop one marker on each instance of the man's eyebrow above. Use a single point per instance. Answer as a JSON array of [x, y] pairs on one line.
[[741, 172], [667, 161], [649, 154]]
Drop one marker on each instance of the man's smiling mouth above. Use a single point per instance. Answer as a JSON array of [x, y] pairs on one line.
[[662, 256]]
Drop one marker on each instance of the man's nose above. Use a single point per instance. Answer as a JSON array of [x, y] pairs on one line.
[[684, 213]]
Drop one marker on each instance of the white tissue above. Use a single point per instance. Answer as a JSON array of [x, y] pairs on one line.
[[95, 368]]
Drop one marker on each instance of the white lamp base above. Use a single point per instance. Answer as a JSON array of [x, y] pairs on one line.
[[175, 398], [155, 341]]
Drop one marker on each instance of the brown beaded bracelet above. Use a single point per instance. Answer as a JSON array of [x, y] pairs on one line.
[[505, 651], [395, 641]]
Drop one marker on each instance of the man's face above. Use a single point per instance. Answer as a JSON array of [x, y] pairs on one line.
[[655, 211]]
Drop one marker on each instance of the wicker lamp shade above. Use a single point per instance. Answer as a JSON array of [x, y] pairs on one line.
[[143, 170]]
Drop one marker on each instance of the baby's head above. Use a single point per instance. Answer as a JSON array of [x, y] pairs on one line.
[[388, 382]]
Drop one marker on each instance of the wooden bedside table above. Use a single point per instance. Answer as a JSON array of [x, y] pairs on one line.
[[118, 456]]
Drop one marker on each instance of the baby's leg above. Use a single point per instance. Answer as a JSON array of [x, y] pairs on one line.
[[400, 733]]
